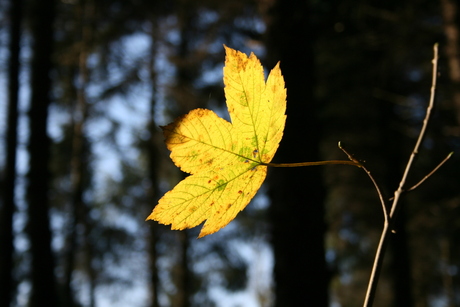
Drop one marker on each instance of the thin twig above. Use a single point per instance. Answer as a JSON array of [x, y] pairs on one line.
[[430, 173], [425, 122], [372, 286], [382, 200]]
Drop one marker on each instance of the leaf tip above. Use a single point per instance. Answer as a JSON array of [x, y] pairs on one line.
[[201, 235], [150, 217], [206, 231]]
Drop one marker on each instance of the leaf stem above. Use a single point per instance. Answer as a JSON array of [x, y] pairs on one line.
[[300, 164]]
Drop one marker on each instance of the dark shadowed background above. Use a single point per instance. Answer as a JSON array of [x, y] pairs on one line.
[[85, 85]]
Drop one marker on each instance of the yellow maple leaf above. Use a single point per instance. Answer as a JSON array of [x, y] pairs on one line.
[[225, 160]]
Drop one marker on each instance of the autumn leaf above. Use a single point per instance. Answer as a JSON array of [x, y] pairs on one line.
[[225, 159]]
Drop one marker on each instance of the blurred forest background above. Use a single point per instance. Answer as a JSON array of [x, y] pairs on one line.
[[85, 85]]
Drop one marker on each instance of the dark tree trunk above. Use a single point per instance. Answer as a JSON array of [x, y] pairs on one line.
[[401, 265], [185, 76], [394, 159], [85, 16], [297, 195], [7, 210], [154, 173], [154, 227], [184, 273], [449, 9], [42, 264], [80, 151]]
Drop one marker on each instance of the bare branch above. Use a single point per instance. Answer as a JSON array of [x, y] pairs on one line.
[[372, 285], [382, 201], [430, 173]]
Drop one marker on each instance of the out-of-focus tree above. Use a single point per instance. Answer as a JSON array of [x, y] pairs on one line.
[[43, 281], [8, 206], [85, 31], [297, 195], [450, 255], [450, 14], [153, 161], [79, 209]]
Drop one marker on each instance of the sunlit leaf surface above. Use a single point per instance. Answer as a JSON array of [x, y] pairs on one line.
[[224, 159]]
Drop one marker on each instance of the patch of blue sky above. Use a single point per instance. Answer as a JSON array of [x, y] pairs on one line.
[[170, 30], [440, 300], [259, 257], [3, 115], [128, 114], [56, 120], [349, 235], [23, 291], [207, 18], [211, 75]]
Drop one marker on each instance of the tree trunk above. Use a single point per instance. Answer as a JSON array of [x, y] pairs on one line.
[[297, 195], [6, 215], [401, 265], [395, 157], [451, 14], [154, 236], [78, 208], [42, 265], [80, 151], [184, 273], [449, 10], [185, 76], [153, 171]]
